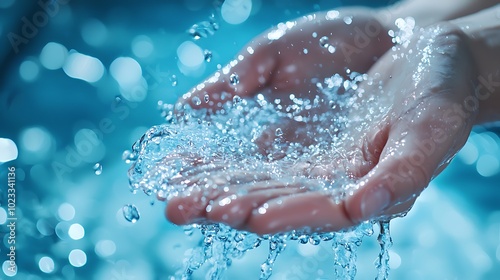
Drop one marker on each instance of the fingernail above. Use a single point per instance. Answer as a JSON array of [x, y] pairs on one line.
[[374, 202]]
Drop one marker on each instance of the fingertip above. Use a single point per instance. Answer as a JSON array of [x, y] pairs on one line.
[[181, 211], [367, 203]]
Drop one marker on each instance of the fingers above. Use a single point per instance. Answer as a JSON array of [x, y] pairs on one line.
[[235, 210], [232, 205], [312, 210], [244, 76]]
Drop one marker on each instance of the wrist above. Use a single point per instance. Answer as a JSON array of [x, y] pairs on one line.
[[482, 31]]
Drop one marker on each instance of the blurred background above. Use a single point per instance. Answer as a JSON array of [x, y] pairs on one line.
[[80, 83]]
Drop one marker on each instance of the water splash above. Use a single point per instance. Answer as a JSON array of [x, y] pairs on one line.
[[168, 158]]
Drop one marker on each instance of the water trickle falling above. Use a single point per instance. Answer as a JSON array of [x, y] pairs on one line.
[[277, 244], [234, 79], [97, 169], [385, 242], [131, 213]]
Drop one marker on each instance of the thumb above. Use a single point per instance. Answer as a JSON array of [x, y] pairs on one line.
[[414, 153]]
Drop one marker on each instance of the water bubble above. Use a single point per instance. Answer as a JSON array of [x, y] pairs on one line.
[[208, 55], [278, 132], [131, 213], [234, 79], [323, 42], [97, 169]]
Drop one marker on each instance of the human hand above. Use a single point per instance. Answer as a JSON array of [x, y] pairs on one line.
[[295, 55], [392, 159]]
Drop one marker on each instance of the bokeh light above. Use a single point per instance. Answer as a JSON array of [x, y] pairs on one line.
[[105, 248], [29, 70], [3, 216], [236, 11], [66, 212], [94, 32], [77, 258], [83, 67], [8, 150], [8, 270], [46, 264], [53, 56], [488, 165], [76, 231], [126, 71], [190, 54], [35, 144], [142, 46]]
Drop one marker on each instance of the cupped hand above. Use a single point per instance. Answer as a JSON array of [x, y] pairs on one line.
[[294, 55], [413, 115]]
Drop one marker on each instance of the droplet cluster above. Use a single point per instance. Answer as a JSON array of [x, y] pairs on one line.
[[194, 152]]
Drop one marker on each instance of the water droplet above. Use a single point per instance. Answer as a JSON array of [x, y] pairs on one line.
[[306, 51], [234, 79], [278, 132], [236, 100], [208, 55], [348, 20], [323, 42], [206, 97], [204, 29], [314, 239], [331, 49], [131, 213], [188, 230], [173, 80], [196, 100], [97, 169]]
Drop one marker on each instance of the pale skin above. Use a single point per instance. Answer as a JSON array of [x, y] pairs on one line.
[[445, 81]]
